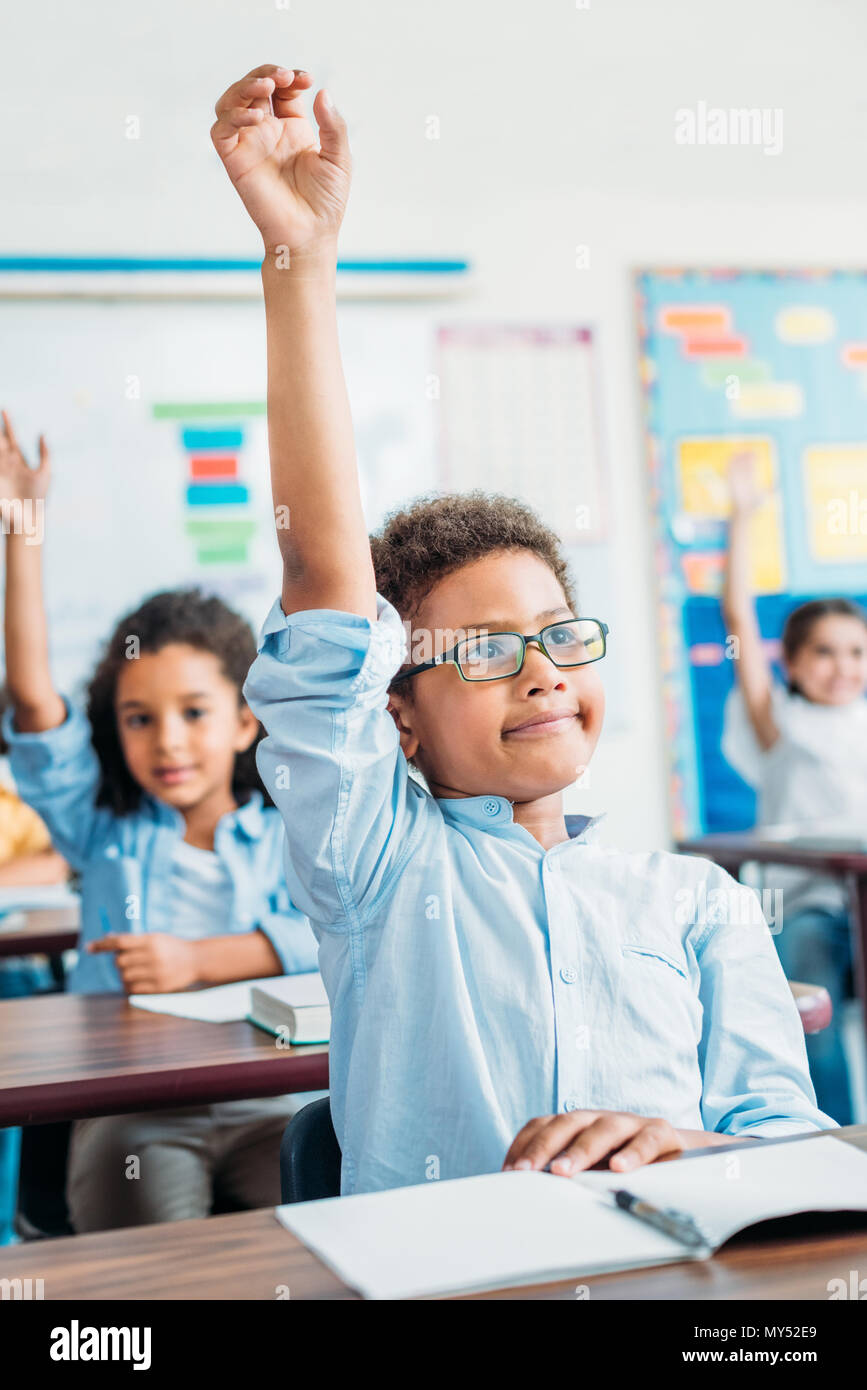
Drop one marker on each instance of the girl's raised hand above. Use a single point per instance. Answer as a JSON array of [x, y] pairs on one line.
[[294, 187], [745, 492], [18, 481]]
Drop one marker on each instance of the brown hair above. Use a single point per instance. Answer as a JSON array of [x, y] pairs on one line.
[[436, 534], [801, 621], [186, 616]]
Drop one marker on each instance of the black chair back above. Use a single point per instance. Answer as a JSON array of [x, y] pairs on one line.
[[310, 1155]]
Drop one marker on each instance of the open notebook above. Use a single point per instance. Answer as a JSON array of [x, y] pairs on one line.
[[228, 1003], [505, 1229]]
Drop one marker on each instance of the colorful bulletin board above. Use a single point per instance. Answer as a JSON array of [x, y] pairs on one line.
[[775, 361]]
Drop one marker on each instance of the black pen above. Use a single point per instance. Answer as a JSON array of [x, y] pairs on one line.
[[676, 1224]]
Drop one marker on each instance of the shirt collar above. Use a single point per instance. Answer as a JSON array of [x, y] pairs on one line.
[[487, 812], [249, 818]]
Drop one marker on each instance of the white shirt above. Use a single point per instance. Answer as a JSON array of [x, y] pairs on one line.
[[813, 779], [201, 893]]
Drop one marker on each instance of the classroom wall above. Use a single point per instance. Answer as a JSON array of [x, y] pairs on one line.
[[556, 130]]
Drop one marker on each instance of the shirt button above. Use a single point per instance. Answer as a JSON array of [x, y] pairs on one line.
[[568, 974], [571, 1103], [490, 807]]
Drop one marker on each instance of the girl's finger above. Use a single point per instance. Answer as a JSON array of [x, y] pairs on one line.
[[595, 1143], [654, 1139], [44, 456], [140, 984], [104, 943]]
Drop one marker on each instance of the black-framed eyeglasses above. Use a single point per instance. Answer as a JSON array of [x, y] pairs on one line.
[[493, 656]]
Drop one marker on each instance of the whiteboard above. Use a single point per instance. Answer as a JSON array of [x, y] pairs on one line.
[[119, 523], [130, 391]]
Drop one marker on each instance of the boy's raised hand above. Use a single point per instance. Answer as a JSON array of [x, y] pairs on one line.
[[294, 187], [18, 481]]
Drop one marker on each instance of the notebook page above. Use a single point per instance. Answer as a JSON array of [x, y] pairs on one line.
[[228, 1003], [484, 1232], [219, 1004], [728, 1191]]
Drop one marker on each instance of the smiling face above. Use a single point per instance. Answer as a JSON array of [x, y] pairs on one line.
[[830, 667], [180, 725], [523, 737]]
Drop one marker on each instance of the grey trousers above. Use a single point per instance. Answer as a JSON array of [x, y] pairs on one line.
[[167, 1165]]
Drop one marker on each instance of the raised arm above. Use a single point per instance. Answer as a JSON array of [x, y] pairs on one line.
[[37, 705], [295, 190], [751, 664]]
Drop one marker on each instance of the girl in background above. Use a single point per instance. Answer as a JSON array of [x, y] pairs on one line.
[[803, 746], [154, 797], [27, 857]]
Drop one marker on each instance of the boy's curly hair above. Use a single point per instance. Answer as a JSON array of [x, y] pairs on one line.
[[436, 534], [186, 616]]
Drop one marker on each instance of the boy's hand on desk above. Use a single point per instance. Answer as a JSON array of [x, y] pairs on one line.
[[151, 962], [294, 187], [585, 1138]]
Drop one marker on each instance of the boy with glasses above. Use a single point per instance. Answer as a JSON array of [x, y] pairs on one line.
[[500, 990]]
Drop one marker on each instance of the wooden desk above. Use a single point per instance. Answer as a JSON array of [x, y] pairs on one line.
[[66, 1056], [248, 1255], [733, 850], [43, 932]]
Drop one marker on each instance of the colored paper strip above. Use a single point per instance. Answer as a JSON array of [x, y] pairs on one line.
[[217, 494], [232, 556], [203, 410], [204, 466], [202, 441], [715, 347], [695, 318]]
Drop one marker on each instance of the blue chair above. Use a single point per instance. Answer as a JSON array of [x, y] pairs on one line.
[[310, 1155]]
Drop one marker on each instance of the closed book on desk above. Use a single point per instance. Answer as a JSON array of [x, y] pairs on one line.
[[507, 1229], [292, 1006]]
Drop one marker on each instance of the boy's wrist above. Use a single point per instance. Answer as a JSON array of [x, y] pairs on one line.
[[315, 261]]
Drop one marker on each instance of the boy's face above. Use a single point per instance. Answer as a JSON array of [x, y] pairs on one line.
[[831, 666], [180, 724], [473, 738]]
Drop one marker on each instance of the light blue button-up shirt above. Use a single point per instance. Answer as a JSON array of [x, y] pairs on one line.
[[126, 861], [477, 980]]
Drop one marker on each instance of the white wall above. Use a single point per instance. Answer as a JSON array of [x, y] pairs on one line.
[[557, 128]]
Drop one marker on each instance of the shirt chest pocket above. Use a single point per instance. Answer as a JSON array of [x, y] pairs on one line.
[[659, 998], [652, 957]]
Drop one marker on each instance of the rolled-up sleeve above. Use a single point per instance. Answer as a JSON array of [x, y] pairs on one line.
[[57, 773], [756, 1079], [332, 759]]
